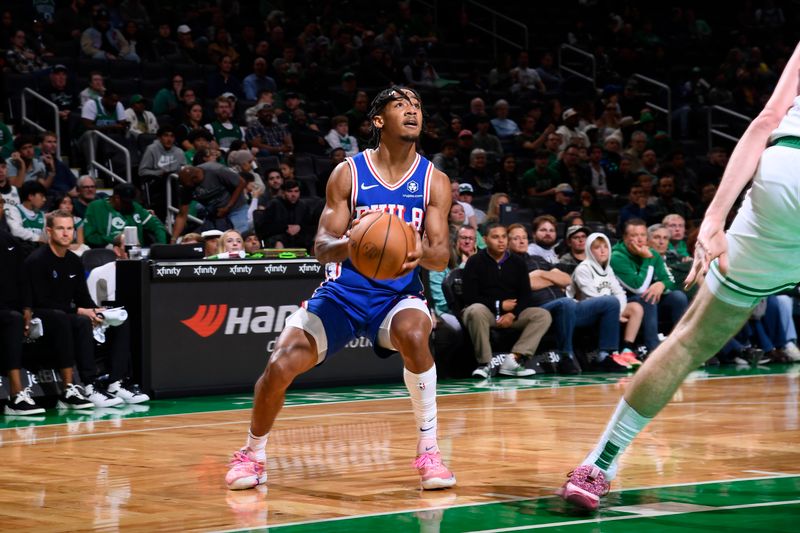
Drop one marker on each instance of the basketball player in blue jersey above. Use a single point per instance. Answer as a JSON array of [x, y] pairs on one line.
[[759, 256], [393, 313]]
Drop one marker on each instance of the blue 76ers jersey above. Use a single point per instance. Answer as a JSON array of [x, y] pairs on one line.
[[408, 199]]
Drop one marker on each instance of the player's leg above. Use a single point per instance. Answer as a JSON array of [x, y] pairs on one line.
[[301, 346], [703, 330], [407, 328]]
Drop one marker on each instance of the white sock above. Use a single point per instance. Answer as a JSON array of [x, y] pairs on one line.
[[422, 389], [624, 425], [258, 444]]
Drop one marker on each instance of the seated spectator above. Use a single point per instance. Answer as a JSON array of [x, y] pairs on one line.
[[165, 48], [22, 59], [107, 116], [63, 180], [457, 218], [571, 169], [420, 73], [274, 181], [258, 81], [496, 292], [139, 119], [504, 127], [252, 244], [231, 243], [54, 290], [286, 222], [646, 279], [339, 136], [265, 97], [224, 128], [506, 179], [224, 80], [107, 217], [599, 179], [570, 130], [666, 203], [269, 137], [219, 190], [496, 203], [548, 284], [193, 123], [87, 193], [242, 161], [220, 48], [102, 285], [563, 205], [95, 90], [576, 244], [484, 139], [101, 41], [524, 79], [306, 136], [707, 193], [64, 202], [167, 100], [8, 192], [23, 165], [594, 277], [191, 50], [676, 225], [658, 238], [159, 160], [544, 238], [446, 160], [591, 210], [477, 174], [466, 196], [462, 247], [13, 328], [636, 208], [540, 180], [26, 219]]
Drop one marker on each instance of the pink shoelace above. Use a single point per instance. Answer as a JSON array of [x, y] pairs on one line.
[[428, 459], [243, 461]]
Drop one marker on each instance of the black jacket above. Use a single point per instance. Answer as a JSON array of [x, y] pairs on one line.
[[489, 282]]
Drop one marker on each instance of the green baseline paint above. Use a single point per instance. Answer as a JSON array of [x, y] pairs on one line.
[[232, 402], [552, 514]]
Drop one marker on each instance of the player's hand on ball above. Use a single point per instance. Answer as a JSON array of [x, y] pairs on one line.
[[413, 257]]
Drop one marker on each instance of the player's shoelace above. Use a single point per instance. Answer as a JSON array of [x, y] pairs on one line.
[[428, 459], [590, 479], [242, 461]]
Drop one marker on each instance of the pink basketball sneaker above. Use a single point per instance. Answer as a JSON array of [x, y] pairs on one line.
[[246, 470], [432, 472], [585, 486]]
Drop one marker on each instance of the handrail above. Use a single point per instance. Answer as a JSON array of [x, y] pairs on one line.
[[171, 210], [93, 164], [714, 131], [667, 110], [47, 102], [493, 31], [592, 61]]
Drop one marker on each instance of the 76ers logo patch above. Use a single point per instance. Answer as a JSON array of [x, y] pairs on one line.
[[412, 187]]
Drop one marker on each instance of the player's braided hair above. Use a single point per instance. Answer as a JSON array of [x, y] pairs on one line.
[[391, 94]]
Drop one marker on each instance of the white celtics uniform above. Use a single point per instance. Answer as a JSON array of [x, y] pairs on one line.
[[764, 239]]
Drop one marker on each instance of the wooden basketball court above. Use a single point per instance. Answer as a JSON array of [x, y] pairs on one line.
[[724, 455]]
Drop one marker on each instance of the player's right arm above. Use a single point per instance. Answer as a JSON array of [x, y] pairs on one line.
[[330, 244], [741, 168]]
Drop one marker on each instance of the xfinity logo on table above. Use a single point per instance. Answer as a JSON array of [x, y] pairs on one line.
[[168, 271], [272, 268], [198, 270], [310, 268], [208, 319], [240, 269]]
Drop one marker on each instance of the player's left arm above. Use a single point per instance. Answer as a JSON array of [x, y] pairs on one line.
[[436, 240]]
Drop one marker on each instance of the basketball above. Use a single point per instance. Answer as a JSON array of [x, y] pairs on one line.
[[379, 245]]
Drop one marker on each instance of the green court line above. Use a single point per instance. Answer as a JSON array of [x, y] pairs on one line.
[[232, 402], [758, 504]]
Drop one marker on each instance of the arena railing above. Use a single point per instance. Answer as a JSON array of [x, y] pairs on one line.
[[495, 18], [586, 61], [171, 209], [715, 128], [36, 125], [94, 166], [662, 89]]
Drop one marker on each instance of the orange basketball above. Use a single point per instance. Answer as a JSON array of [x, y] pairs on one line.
[[379, 245]]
